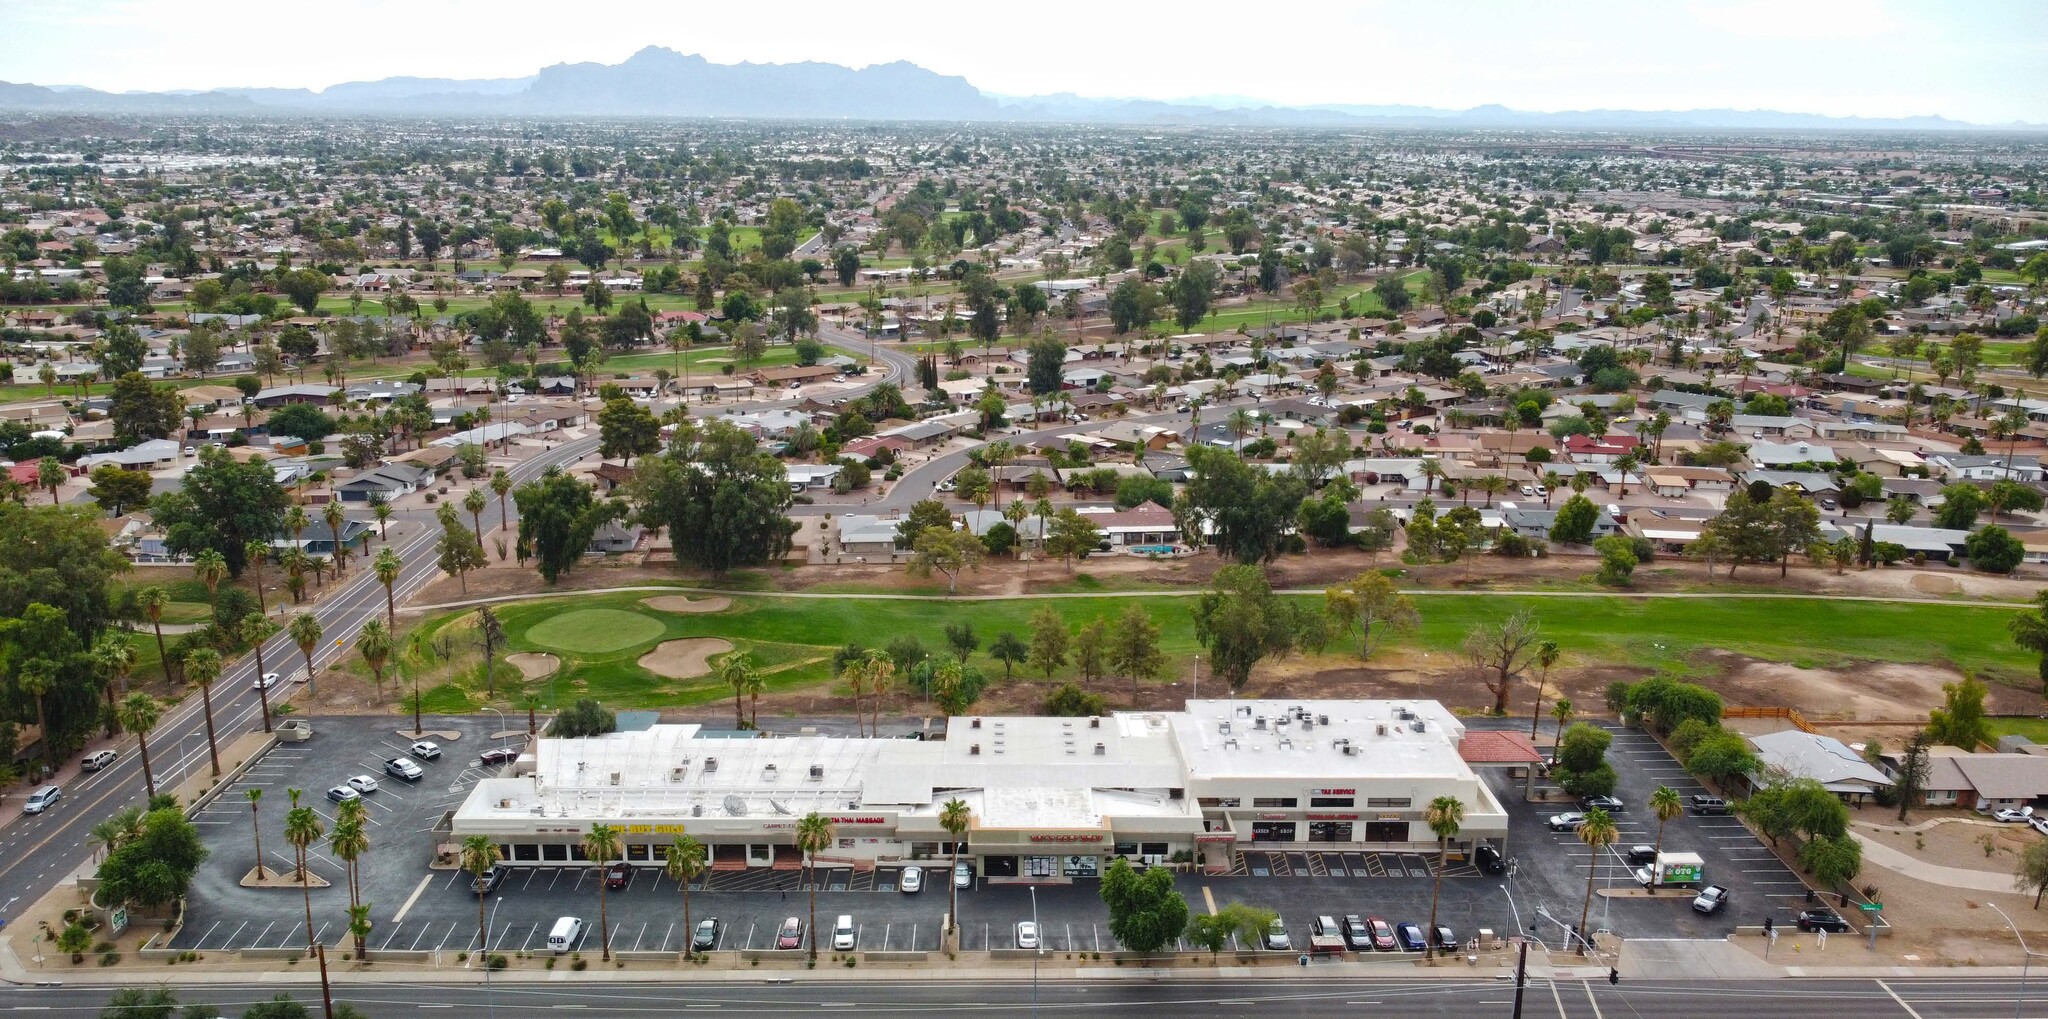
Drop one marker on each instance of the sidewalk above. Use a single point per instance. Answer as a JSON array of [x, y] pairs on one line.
[[1881, 855]]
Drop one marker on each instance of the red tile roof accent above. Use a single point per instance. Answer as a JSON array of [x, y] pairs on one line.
[[1490, 746]]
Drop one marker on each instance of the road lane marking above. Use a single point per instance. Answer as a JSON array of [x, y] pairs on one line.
[[414, 897], [1887, 988]]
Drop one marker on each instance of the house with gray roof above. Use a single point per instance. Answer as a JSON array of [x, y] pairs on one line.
[[1824, 759]]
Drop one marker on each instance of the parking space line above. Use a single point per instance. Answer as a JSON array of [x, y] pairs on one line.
[[530, 932], [261, 933], [671, 933], [424, 928], [414, 897], [642, 937], [389, 938]]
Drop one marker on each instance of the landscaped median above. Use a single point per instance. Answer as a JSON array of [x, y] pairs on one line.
[[633, 649]]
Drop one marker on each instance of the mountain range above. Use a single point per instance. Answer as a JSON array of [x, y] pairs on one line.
[[659, 82]]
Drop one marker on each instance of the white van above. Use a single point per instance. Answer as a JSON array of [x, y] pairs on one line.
[[564, 937], [842, 933]]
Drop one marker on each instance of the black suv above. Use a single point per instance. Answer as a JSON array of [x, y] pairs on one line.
[[1488, 859], [1823, 920]]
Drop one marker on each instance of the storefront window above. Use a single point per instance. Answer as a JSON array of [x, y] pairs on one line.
[[1127, 849], [1329, 801], [1041, 866], [1155, 849], [1272, 831], [554, 852], [1083, 866], [1329, 831], [1273, 802], [638, 852], [525, 852], [1386, 831]]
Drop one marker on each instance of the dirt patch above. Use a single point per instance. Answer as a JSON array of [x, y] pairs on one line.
[[1874, 690], [274, 877], [1957, 841], [534, 665], [682, 604], [684, 659], [1929, 583]]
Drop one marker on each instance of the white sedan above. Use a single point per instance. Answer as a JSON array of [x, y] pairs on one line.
[[2008, 815], [1027, 934], [363, 784], [267, 681]]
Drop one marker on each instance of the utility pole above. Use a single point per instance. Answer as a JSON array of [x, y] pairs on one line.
[[326, 991], [1521, 975]]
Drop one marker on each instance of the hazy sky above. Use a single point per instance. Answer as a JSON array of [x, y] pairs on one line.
[[1978, 60]]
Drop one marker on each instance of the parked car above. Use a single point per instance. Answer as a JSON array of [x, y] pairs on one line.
[[1570, 820], [403, 767], [427, 750], [41, 799], [617, 873], [488, 881], [1489, 860], [1276, 939], [96, 761], [343, 794], [1823, 920], [1382, 933], [1606, 803], [1409, 936], [706, 937], [2039, 822], [363, 784], [1446, 941], [498, 755], [267, 681], [2007, 815], [912, 881], [843, 936], [1705, 804], [1357, 936], [791, 935], [1641, 854], [1710, 900], [963, 875], [1027, 934]]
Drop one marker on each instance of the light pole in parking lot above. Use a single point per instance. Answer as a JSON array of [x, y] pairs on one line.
[[1039, 949], [484, 953]]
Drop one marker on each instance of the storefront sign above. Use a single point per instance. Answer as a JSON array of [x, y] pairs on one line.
[[656, 829], [1336, 792], [1332, 817], [1207, 839], [858, 820], [1065, 837], [558, 831], [1272, 817]]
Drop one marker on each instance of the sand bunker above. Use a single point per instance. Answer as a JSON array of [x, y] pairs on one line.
[[684, 659], [679, 603], [534, 665]]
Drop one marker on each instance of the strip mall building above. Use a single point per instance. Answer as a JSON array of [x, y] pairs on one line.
[[1049, 797]]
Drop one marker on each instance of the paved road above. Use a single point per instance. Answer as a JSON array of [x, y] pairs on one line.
[[1323, 997], [35, 852]]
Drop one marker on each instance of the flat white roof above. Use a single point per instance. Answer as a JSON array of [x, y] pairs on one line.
[[1308, 739]]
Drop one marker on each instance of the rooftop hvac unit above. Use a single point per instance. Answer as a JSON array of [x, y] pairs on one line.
[[974, 723], [1286, 744], [1224, 728], [1259, 723], [1350, 751], [1403, 714], [676, 774], [711, 766], [1230, 744], [817, 773], [696, 810], [974, 750], [1094, 721], [1176, 794], [1419, 725], [768, 773], [1100, 750], [615, 778], [1322, 719], [1380, 729], [1307, 724], [504, 804]]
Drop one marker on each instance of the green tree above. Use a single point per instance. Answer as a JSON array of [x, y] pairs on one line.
[[1145, 912], [558, 516], [1010, 650], [1049, 641], [1960, 721], [1072, 536], [1993, 549], [1597, 833], [948, 551], [1961, 503], [202, 667], [142, 1003], [1241, 622], [600, 845], [1134, 648], [1582, 767], [1243, 511], [1574, 522], [139, 714], [1617, 559], [141, 409], [627, 430], [223, 504], [1832, 860], [1374, 606], [721, 498], [2032, 875], [584, 718], [116, 489], [956, 818], [2030, 631], [1666, 807]]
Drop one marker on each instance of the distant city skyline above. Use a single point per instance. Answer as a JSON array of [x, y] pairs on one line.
[[1984, 62]]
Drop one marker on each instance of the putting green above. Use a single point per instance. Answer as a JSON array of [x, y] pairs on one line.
[[594, 631]]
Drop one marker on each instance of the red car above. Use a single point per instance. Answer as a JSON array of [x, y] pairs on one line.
[[791, 935], [1382, 933], [498, 755], [616, 874]]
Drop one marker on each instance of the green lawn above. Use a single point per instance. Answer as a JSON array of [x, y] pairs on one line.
[[601, 637], [2035, 729]]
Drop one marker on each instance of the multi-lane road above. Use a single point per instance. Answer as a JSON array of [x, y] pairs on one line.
[[1309, 996]]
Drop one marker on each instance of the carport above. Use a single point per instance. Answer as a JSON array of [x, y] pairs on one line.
[[1505, 751]]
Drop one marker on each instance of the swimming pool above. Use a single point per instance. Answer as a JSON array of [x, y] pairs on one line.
[[1153, 549]]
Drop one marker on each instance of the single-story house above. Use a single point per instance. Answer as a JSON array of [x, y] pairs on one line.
[[867, 534], [1980, 781], [154, 454], [1824, 759], [613, 536], [387, 483], [808, 476]]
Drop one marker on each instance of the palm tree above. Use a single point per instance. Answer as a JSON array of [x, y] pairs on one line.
[[1562, 712], [1546, 656], [601, 843], [1552, 481], [210, 568], [374, 641], [302, 828], [1666, 805], [480, 854], [255, 796], [1597, 832], [382, 511], [114, 657], [253, 554], [501, 483], [257, 629], [388, 566], [139, 713], [348, 842], [531, 702], [1445, 815], [334, 518], [38, 676], [1433, 471], [153, 600], [306, 633], [813, 835], [1492, 485], [474, 503], [737, 671], [955, 818], [202, 666], [684, 862]]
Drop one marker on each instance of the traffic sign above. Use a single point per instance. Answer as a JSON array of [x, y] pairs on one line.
[[1871, 907]]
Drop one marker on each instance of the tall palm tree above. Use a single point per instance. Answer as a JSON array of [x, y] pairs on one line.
[[1546, 656], [474, 503], [1665, 804], [814, 834], [306, 633], [113, 657], [257, 629], [737, 671], [955, 818], [480, 854], [139, 713], [1446, 814], [255, 796], [348, 842], [1562, 712], [302, 828], [333, 516], [153, 600], [253, 554], [296, 521], [388, 566], [381, 510], [501, 483], [210, 568], [684, 862], [37, 677], [1598, 832], [375, 644], [601, 843], [202, 666]]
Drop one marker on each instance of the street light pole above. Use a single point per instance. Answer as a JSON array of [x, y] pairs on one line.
[[484, 952], [1040, 950], [2025, 962]]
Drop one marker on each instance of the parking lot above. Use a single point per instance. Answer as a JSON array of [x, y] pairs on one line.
[[415, 908]]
